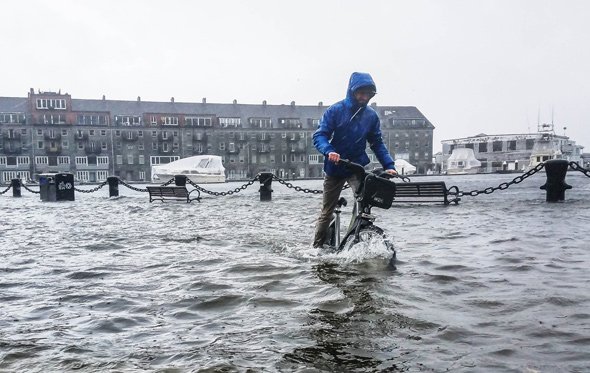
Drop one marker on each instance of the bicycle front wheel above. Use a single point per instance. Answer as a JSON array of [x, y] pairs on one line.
[[371, 235]]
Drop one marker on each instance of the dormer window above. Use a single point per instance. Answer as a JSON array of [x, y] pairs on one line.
[[51, 103]]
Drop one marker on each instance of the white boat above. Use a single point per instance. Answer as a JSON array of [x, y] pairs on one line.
[[546, 148], [462, 162], [404, 167], [200, 169]]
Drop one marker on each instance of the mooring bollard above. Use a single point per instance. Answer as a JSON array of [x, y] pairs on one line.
[[15, 183], [113, 186], [180, 180], [265, 179], [555, 185]]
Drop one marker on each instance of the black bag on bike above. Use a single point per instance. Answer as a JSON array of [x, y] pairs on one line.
[[378, 191]]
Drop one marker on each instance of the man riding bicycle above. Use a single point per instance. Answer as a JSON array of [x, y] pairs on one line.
[[344, 130]]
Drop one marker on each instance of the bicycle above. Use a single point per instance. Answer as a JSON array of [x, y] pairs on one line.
[[374, 190]]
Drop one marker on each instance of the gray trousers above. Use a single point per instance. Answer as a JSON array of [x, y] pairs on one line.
[[332, 189]]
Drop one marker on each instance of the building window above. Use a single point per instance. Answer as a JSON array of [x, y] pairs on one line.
[[230, 122], [141, 159], [129, 158], [102, 160], [511, 145], [82, 175], [530, 143], [39, 132], [290, 122], [497, 146], [91, 119], [43, 103], [101, 175], [128, 120], [483, 147], [198, 121], [260, 122], [54, 119], [316, 159], [12, 118], [170, 121], [81, 161]]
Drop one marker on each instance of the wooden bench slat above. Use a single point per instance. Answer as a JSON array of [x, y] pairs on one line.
[[171, 192], [435, 191]]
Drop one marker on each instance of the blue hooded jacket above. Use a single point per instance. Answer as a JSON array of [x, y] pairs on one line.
[[347, 126]]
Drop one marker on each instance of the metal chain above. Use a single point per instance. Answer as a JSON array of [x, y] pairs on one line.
[[7, 189], [169, 182], [576, 167], [30, 190], [132, 187], [228, 193], [93, 189], [502, 186], [298, 188]]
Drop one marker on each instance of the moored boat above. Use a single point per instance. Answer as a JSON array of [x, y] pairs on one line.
[[200, 169]]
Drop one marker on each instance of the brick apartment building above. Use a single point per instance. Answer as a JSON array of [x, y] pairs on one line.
[[93, 139]]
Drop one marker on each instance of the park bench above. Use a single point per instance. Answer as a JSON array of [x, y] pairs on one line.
[[178, 193], [429, 191]]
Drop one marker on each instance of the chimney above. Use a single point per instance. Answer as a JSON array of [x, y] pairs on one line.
[[264, 103], [373, 104], [235, 101], [104, 97], [204, 100], [138, 99], [320, 104], [172, 99], [293, 103], [32, 91]]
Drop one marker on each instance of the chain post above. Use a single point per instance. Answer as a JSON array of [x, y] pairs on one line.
[[556, 186], [113, 186], [265, 190], [180, 180], [16, 185]]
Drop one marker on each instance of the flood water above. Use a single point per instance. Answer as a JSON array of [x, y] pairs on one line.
[[499, 283]]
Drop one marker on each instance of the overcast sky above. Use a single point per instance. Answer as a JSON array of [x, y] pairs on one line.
[[470, 66]]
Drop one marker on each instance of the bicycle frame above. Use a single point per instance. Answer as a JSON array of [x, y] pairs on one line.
[[361, 215]]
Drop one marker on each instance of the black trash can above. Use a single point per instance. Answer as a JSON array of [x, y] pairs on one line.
[[64, 185], [47, 187], [56, 187]]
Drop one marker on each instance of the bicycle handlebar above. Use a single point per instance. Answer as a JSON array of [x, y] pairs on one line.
[[360, 171]]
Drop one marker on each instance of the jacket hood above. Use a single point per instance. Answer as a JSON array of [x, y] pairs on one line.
[[358, 80]]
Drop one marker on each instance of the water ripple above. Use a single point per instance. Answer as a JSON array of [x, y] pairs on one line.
[[498, 283]]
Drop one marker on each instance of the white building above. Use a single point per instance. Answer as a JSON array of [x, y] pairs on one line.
[[514, 152]]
